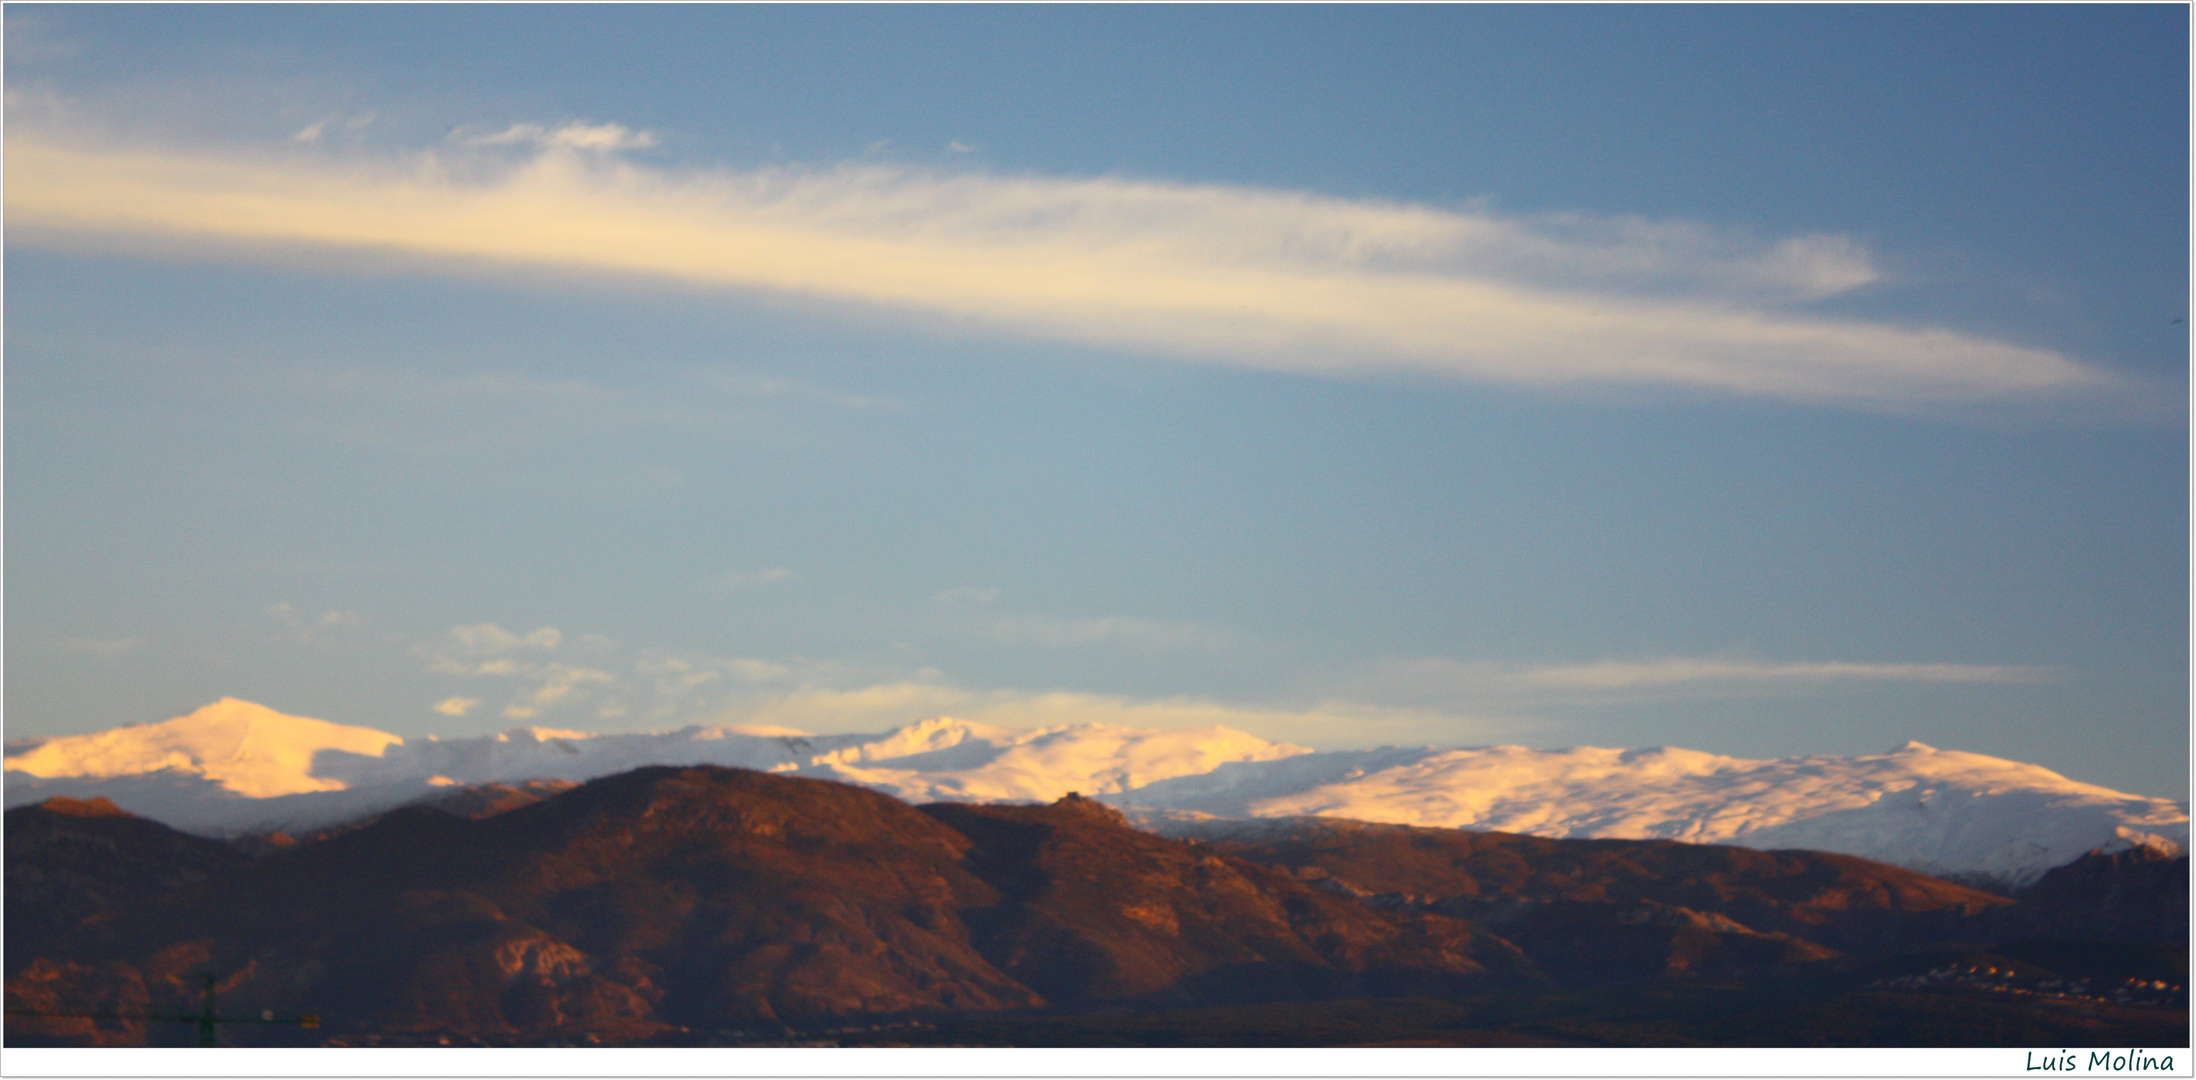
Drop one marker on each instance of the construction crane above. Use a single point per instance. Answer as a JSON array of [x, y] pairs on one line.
[[207, 1017]]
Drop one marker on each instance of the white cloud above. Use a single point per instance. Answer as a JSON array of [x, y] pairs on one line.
[[577, 135], [485, 650], [559, 680], [312, 132], [1510, 685], [1260, 278], [652, 685], [1609, 675], [488, 639]]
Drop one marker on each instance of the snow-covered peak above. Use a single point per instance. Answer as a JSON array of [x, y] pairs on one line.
[[248, 749], [929, 736], [970, 761], [220, 784], [234, 766], [1938, 811]]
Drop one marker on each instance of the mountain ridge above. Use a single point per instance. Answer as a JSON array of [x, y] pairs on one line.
[[710, 898], [234, 767], [709, 906]]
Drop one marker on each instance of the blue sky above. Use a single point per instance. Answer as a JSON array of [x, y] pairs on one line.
[[1763, 381]]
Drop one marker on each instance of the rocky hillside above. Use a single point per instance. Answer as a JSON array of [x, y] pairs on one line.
[[710, 899], [1588, 910]]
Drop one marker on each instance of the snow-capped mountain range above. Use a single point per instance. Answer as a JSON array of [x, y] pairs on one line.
[[234, 767]]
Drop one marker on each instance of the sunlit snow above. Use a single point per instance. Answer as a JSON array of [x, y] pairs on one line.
[[236, 767]]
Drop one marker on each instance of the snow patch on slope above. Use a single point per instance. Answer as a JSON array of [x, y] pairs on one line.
[[299, 773], [245, 748], [1937, 811], [235, 767]]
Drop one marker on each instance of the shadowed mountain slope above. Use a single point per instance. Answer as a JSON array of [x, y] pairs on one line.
[[2137, 895], [71, 865], [1095, 910], [716, 899], [1600, 908]]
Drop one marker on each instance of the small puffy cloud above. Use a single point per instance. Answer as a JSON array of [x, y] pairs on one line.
[[485, 639], [559, 680], [661, 690], [485, 650], [312, 132]]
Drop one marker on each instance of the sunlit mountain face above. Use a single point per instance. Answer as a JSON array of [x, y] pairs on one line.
[[234, 767]]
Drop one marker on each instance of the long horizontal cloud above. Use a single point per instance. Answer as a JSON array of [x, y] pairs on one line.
[[1259, 278], [1611, 675], [1486, 684]]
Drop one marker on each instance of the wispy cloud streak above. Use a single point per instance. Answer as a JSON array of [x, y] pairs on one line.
[[1259, 278], [1486, 684], [1613, 675]]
